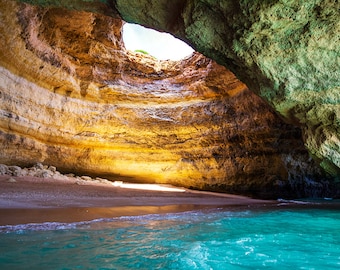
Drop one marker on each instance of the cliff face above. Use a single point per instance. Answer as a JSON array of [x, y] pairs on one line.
[[73, 97], [286, 51]]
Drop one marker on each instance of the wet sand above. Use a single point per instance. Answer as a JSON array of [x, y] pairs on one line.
[[35, 200]]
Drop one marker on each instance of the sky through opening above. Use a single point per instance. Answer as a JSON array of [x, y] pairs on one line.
[[163, 46]]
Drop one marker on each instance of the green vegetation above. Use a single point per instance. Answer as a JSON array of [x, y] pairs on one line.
[[142, 51]]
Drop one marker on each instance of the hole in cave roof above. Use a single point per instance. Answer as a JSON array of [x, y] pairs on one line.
[[162, 46]]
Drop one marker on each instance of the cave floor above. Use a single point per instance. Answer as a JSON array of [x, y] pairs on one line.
[[32, 199]]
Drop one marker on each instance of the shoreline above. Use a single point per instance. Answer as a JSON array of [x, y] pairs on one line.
[[27, 199], [30, 199], [14, 216]]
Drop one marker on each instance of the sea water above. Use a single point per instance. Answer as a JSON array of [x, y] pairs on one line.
[[276, 238]]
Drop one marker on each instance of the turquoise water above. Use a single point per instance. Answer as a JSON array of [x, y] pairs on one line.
[[279, 238]]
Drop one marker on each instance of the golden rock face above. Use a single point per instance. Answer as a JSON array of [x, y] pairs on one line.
[[287, 52], [73, 97]]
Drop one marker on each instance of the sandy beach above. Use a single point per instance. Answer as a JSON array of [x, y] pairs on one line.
[[29, 199]]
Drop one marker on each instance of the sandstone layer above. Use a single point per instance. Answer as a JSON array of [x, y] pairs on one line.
[[73, 97]]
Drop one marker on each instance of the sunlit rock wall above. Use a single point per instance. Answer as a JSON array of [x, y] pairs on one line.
[[286, 51], [73, 97]]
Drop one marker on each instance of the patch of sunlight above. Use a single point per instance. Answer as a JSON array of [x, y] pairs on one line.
[[147, 187], [162, 46]]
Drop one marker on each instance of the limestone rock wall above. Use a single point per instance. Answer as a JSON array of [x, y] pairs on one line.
[[286, 51], [73, 97]]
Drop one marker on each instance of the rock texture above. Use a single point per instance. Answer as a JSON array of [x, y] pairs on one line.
[[49, 172], [73, 97], [286, 51]]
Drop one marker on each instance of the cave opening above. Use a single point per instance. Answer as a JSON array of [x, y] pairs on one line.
[[162, 46]]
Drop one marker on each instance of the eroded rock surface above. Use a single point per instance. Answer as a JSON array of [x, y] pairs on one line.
[[49, 172], [73, 97], [286, 51]]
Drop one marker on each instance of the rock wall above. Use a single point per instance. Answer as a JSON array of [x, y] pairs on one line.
[[73, 97], [286, 51]]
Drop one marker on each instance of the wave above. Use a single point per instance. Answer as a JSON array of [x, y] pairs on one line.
[[186, 216], [49, 226], [313, 202], [284, 202], [191, 216]]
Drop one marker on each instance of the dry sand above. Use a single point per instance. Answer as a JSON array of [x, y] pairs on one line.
[[31, 199]]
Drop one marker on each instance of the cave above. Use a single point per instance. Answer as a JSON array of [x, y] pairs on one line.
[[115, 157], [243, 114]]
